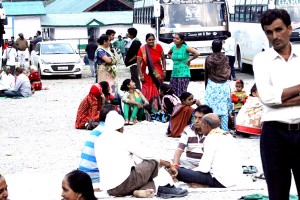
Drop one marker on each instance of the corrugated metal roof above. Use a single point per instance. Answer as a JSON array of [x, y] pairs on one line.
[[83, 19], [24, 8], [69, 6]]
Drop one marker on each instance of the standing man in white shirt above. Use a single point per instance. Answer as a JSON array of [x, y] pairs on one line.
[[220, 165], [229, 48], [276, 72]]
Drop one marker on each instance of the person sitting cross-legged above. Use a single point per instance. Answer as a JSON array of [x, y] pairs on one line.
[[134, 102], [220, 165], [192, 140], [126, 168], [7, 80], [22, 87]]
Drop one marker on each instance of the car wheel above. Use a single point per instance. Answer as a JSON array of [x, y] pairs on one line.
[[78, 76], [40, 72]]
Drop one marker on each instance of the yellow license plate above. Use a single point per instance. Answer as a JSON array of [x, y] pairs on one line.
[[196, 66]]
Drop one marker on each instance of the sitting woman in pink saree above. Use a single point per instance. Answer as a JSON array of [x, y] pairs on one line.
[[152, 68]]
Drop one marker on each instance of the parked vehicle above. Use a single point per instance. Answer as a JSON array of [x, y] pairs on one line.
[[56, 58]]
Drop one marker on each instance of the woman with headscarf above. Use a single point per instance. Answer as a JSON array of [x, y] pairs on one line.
[[217, 74], [89, 108], [105, 63], [35, 78], [151, 63]]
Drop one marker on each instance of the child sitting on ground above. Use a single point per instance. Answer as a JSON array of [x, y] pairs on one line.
[[182, 114], [134, 102], [248, 118], [239, 96]]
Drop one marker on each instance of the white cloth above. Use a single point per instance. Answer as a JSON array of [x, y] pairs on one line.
[[7, 82], [10, 54], [21, 56], [229, 46], [23, 85], [272, 74], [128, 43], [221, 158], [115, 155], [114, 121]]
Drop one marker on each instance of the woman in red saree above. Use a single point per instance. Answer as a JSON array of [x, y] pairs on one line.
[[151, 63], [89, 108]]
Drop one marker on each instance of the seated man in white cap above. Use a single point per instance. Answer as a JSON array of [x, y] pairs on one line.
[[121, 174]]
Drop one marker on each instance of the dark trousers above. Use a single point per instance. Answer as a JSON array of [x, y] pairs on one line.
[[13, 93], [231, 64], [190, 176], [140, 178], [135, 76], [279, 151]]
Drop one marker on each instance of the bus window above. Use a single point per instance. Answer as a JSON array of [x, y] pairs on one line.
[[258, 12], [237, 11], [242, 14], [247, 14], [253, 14]]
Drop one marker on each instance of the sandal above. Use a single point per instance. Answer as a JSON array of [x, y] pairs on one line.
[[126, 122], [245, 170], [130, 122], [261, 176], [252, 169]]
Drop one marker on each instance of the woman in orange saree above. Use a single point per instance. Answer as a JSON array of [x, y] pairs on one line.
[[151, 63]]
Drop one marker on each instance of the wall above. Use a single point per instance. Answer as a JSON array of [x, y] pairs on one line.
[[28, 25]]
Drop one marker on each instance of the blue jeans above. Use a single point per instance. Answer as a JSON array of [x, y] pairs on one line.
[[279, 151], [190, 176], [13, 93]]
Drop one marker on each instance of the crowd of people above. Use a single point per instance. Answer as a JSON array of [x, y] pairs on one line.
[[271, 110], [15, 81], [203, 131]]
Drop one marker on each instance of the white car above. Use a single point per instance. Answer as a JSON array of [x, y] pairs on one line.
[[56, 58]]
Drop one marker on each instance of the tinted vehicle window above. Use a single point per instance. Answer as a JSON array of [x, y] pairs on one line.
[[57, 49]]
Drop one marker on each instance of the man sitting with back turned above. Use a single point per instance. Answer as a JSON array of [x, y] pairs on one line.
[[192, 140], [126, 169], [88, 162], [220, 165]]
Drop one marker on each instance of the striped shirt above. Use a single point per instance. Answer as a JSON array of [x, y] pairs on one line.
[[88, 162], [193, 142]]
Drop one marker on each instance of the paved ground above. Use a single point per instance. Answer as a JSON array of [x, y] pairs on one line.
[[39, 144]]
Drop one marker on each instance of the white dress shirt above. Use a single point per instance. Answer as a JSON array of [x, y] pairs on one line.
[[229, 46], [6, 81], [221, 158], [273, 74], [116, 154]]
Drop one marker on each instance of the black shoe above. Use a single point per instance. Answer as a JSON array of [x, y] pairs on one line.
[[167, 192]]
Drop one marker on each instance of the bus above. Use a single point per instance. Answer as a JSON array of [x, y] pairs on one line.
[[201, 21], [246, 29]]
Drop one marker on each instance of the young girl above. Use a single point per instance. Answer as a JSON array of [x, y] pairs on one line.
[[248, 118], [182, 114], [134, 102], [169, 99], [239, 96]]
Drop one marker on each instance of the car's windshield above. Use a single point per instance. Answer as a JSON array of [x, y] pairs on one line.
[[57, 48]]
